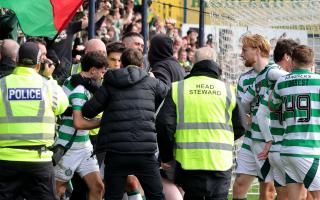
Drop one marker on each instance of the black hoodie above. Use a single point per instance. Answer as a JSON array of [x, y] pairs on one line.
[[163, 65], [129, 99]]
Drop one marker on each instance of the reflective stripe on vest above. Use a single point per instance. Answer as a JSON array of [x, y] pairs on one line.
[[203, 145], [199, 154], [33, 136], [9, 118]]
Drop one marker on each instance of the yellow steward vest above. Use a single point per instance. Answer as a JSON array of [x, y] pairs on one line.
[[204, 134]]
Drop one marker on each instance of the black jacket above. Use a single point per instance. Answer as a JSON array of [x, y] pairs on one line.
[[163, 65], [128, 99], [166, 120], [7, 65]]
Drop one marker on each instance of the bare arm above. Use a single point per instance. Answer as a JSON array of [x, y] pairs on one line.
[[81, 123]]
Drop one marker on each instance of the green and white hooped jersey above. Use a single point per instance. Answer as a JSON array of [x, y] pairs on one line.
[[261, 85], [77, 98], [298, 96], [276, 126], [245, 80]]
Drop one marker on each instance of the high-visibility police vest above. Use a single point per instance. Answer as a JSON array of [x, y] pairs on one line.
[[204, 134], [26, 116]]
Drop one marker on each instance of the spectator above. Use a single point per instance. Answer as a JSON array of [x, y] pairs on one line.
[[163, 65], [135, 41], [170, 26], [182, 58], [9, 51], [62, 45], [8, 25], [93, 45], [114, 52], [156, 27], [129, 99], [177, 44], [190, 54], [192, 37]]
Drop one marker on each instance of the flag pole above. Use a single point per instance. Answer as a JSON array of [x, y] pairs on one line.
[[145, 27], [201, 23], [91, 27]]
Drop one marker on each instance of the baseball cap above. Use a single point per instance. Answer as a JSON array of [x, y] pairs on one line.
[[29, 54]]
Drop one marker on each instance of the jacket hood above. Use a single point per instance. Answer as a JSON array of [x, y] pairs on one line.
[[7, 63], [124, 77], [206, 68], [161, 47]]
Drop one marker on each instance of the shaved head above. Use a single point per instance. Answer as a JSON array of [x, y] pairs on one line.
[[95, 45], [10, 49]]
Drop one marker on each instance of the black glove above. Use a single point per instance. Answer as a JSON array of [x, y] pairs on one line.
[[89, 84]]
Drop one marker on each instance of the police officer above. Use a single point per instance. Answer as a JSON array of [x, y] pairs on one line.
[[28, 105], [196, 127]]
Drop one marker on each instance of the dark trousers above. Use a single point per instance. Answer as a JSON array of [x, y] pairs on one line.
[[145, 167], [191, 196], [203, 185], [26, 180], [80, 189]]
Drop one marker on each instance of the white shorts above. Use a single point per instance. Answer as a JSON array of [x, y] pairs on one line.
[[245, 162], [262, 166], [302, 170], [76, 160], [278, 172]]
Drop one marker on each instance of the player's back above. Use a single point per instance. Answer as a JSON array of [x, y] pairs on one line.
[[299, 92]]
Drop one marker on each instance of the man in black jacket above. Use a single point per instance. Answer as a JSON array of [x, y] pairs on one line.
[[128, 99], [197, 122], [163, 65], [8, 55]]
